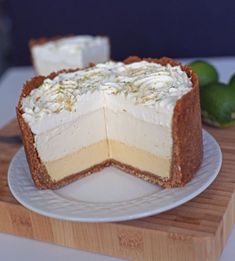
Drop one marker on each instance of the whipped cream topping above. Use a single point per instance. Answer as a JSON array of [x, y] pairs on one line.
[[73, 44], [144, 83]]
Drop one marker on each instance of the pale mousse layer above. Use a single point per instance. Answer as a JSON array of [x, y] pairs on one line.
[[104, 124]]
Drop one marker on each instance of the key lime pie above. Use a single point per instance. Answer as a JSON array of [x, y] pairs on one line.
[[140, 115], [57, 53]]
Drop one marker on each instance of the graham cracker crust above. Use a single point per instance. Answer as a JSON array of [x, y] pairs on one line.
[[44, 40], [187, 149]]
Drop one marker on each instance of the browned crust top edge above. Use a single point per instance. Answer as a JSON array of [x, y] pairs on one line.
[[43, 40]]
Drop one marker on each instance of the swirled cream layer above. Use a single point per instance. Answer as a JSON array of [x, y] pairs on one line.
[[147, 90]]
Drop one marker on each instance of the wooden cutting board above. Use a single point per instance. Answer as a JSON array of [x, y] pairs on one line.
[[195, 231]]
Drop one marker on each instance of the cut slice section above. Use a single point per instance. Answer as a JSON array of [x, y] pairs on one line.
[[105, 135]]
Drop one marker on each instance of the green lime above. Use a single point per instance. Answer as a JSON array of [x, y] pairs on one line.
[[232, 80], [205, 71], [218, 104]]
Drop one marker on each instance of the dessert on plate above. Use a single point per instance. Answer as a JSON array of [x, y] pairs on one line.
[[140, 115], [57, 53]]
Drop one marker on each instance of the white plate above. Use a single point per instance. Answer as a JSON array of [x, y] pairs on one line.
[[110, 195]]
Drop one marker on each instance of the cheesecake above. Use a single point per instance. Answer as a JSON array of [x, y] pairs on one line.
[[57, 53], [140, 115]]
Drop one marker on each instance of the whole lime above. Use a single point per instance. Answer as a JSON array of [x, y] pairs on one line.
[[206, 72], [218, 104], [232, 80]]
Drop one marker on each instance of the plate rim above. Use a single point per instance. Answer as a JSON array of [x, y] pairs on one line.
[[118, 218]]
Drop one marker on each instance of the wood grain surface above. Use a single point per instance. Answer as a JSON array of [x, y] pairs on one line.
[[195, 231]]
